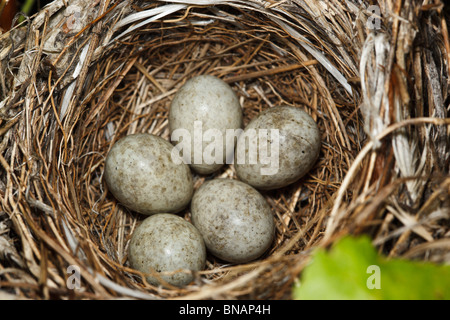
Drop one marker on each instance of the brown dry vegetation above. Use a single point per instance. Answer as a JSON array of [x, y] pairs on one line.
[[70, 86]]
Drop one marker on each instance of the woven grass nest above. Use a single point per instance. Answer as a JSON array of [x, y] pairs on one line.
[[79, 75]]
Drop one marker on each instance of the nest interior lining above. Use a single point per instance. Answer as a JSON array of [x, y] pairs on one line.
[[140, 104]]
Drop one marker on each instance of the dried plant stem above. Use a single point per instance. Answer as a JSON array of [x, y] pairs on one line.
[[334, 218]]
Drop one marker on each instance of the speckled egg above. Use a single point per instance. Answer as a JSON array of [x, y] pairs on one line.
[[200, 114], [142, 175], [167, 243], [277, 148], [234, 219]]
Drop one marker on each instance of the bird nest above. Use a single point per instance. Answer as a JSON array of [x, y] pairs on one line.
[[79, 75]]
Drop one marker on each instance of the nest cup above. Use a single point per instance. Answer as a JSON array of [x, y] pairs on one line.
[[113, 71]]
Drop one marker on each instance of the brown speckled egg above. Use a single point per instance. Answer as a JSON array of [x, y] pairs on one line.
[[204, 108], [234, 219], [141, 174], [166, 243], [298, 145]]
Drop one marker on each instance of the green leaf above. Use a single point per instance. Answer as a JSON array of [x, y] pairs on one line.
[[352, 269]]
